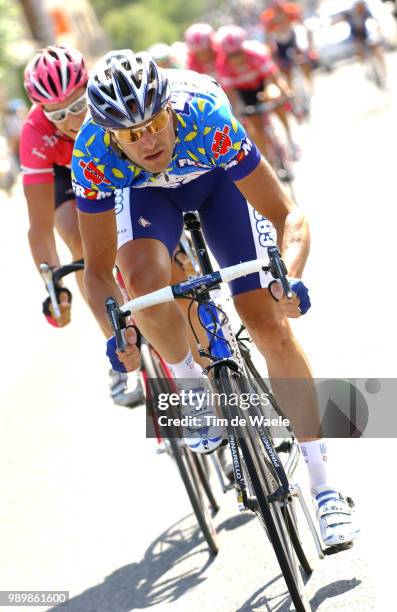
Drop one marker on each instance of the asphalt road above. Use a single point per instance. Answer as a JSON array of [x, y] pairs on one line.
[[86, 503]]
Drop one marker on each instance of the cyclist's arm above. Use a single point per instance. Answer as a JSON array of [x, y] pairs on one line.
[[99, 237], [40, 200], [264, 192]]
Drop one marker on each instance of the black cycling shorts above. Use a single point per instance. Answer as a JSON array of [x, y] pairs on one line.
[[250, 96], [63, 185]]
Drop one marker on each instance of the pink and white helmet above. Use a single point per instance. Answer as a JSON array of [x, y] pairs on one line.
[[199, 36], [54, 73], [230, 38]]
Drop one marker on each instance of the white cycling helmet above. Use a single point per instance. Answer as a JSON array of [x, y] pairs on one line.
[[125, 89]]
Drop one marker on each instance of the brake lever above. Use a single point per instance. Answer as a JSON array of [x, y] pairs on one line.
[[117, 321], [47, 276], [278, 270]]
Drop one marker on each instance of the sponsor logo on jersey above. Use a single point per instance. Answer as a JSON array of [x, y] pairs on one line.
[[92, 174], [90, 194], [246, 147], [190, 162], [221, 142], [264, 228]]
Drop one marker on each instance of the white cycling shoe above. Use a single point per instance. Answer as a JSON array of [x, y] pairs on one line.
[[335, 515], [202, 434], [121, 392]]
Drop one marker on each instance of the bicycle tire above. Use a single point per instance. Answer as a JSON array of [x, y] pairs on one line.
[[203, 472], [289, 512], [271, 518], [190, 475]]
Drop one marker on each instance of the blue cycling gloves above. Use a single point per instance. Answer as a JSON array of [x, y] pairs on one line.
[[300, 289], [111, 353], [302, 292]]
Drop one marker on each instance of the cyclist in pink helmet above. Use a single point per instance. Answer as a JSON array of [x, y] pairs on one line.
[[54, 73], [201, 57], [55, 80]]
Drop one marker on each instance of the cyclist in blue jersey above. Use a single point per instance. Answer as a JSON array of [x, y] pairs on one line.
[[158, 143]]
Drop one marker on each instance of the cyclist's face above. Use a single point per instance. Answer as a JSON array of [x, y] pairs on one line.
[[152, 151], [72, 123], [205, 55], [237, 59]]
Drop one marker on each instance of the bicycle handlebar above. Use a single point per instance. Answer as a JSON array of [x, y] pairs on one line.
[[52, 277], [274, 264], [48, 278]]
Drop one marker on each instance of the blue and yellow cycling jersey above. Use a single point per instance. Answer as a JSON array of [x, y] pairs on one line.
[[208, 136]]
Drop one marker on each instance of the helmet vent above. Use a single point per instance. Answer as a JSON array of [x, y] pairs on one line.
[[123, 84]]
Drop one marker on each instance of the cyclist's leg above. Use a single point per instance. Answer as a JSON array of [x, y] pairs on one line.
[[376, 50], [254, 123], [177, 276], [66, 222], [257, 132], [246, 236], [149, 227]]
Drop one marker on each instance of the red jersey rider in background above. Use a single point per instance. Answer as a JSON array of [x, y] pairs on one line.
[[245, 69], [199, 39]]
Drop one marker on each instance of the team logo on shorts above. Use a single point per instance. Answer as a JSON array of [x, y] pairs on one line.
[[144, 222], [92, 174], [221, 142]]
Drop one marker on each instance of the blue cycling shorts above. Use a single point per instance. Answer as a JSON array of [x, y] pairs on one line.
[[233, 230]]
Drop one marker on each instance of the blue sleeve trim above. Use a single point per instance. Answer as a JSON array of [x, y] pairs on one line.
[[247, 165], [95, 206]]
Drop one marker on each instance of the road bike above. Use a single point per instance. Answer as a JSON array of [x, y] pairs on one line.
[[263, 461]]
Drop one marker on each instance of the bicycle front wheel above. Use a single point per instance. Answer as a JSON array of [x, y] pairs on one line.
[[258, 385], [264, 482], [193, 475]]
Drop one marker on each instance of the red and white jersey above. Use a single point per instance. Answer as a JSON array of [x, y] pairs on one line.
[[193, 63], [41, 147], [250, 74]]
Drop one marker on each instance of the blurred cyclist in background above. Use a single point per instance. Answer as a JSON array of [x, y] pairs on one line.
[[164, 55], [55, 80], [279, 21], [13, 118], [11, 122], [246, 69], [358, 17], [199, 39]]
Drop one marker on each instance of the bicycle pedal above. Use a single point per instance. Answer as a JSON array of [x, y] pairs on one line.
[[333, 550], [284, 447]]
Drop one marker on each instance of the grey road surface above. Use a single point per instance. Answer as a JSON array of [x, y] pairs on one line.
[[89, 507]]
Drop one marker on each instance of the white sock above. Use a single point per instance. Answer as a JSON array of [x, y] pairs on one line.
[[187, 368], [315, 454]]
